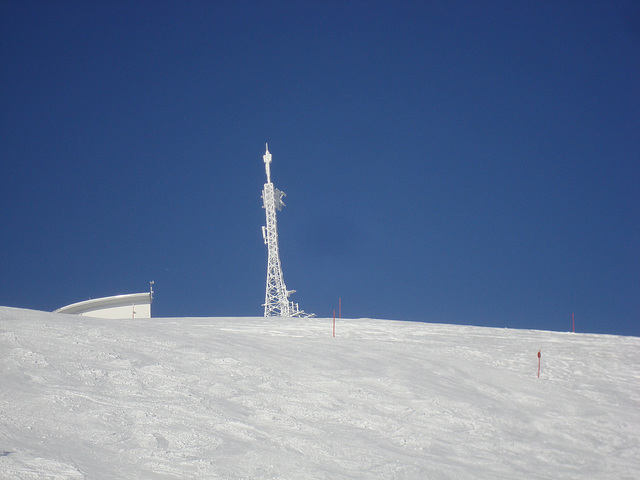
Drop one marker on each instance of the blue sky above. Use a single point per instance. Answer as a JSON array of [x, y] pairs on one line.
[[458, 162]]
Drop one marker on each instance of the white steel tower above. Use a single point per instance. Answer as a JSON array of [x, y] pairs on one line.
[[276, 301]]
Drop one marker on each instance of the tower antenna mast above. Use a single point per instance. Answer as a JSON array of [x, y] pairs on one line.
[[276, 301]]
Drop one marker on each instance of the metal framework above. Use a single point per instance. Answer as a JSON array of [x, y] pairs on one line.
[[276, 301]]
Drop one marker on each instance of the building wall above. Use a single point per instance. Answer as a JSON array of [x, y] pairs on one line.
[[120, 311]]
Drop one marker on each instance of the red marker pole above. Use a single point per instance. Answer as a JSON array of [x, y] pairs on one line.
[[538, 363], [573, 321], [334, 323]]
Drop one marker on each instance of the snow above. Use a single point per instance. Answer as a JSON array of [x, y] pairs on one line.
[[228, 398]]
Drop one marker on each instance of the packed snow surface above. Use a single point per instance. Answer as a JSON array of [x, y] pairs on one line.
[[209, 398]]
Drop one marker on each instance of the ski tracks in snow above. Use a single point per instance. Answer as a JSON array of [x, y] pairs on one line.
[[281, 398]]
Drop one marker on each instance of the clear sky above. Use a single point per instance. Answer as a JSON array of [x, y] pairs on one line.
[[473, 162]]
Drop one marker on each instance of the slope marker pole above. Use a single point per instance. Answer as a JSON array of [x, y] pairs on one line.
[[334, 323], [538, 363], [573, 322]]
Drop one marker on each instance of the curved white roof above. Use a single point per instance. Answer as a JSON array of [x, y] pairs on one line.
[[118, 306]]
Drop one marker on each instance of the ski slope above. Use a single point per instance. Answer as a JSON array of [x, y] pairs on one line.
[[232, 398]]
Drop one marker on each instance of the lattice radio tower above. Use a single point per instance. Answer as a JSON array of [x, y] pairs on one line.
[[276, 300]]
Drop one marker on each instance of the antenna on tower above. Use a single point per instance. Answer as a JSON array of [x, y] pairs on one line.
[[276, 301]]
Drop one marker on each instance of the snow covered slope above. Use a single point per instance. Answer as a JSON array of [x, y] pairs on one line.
[[211, 398]]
